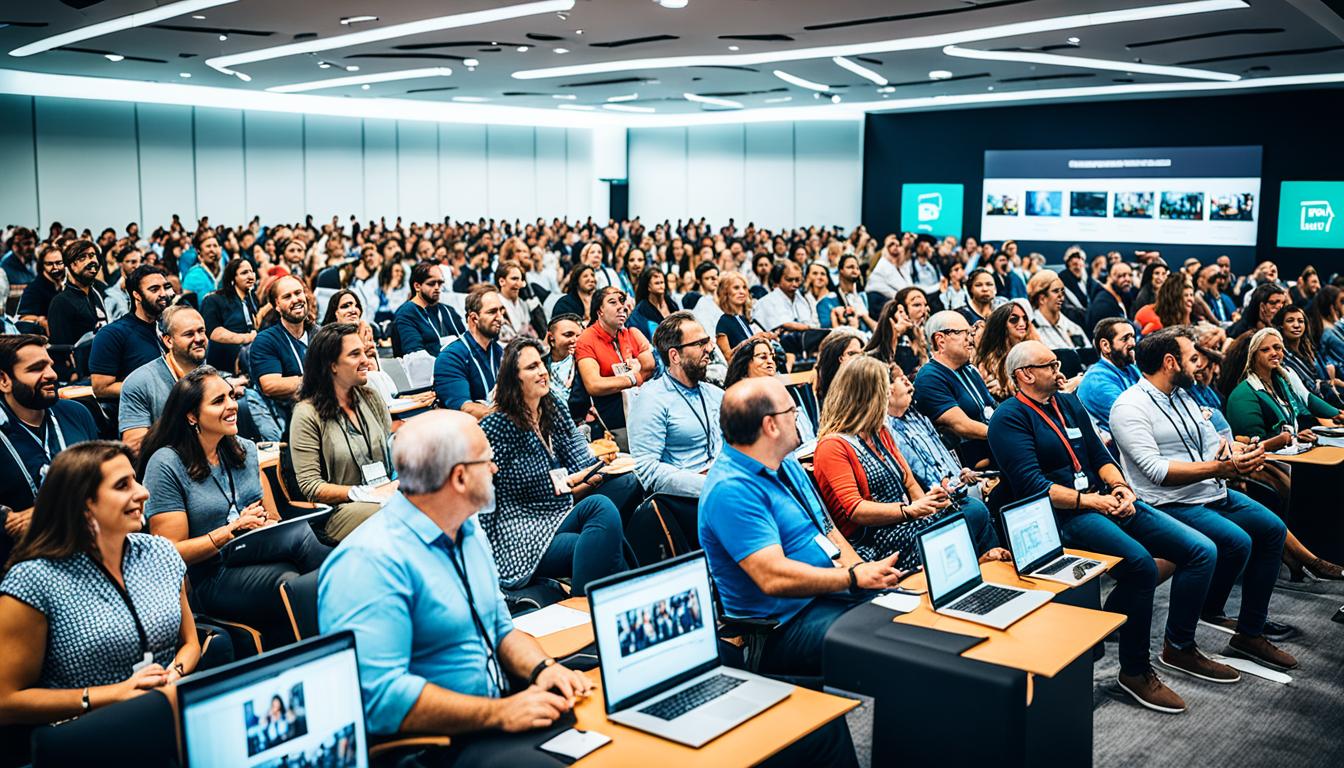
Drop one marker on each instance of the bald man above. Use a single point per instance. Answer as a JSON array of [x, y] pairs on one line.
[[417, 584], [1045, 443]]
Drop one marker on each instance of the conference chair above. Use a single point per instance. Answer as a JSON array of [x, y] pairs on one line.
[[136, 732], [1070, 363], [299, 595]]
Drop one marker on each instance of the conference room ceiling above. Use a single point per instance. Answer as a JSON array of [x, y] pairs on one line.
[[1263, 39]]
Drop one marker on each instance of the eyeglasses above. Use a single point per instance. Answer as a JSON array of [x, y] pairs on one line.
[[955, 331], [697, 343], [1052, 365], [490, 460], [1017, 319], [791, 409]]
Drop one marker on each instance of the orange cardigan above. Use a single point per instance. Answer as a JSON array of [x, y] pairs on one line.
[[842, 481]]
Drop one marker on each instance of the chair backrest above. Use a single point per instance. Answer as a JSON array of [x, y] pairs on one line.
[[139, 731], [396, 371], [1070, 363], [299, 595]]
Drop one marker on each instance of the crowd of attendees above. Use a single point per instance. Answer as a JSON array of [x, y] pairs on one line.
[[909, 373]]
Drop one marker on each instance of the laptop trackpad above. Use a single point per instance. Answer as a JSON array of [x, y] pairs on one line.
[[732, 708]]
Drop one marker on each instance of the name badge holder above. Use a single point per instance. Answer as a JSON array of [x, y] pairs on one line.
[[1080, 480], [827, 546]]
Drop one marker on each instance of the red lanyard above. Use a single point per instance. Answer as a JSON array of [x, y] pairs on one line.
[[1077, 467]]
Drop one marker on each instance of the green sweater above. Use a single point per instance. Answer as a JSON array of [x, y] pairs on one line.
[[1253, 413]]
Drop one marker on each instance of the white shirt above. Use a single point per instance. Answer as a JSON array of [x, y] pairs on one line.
[[1152, 430], [708, 313], [519, 319], [776, 309], [1060, 335], [926, 275], [887, 279]]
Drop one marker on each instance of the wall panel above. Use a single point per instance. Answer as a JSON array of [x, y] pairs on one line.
[[273, 151], [463, 177], [167, 170], [219, 167], [511, 169], [18, 163], [333, 167], [86, 163], [380, 170], [552, 188], [418, 171], [657, 171], [768, 175]]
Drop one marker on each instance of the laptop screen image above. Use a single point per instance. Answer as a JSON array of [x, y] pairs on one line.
[[652, 628], [291, 709], [1032, 533], [949, 558]]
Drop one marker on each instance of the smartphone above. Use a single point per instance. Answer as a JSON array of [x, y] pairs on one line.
[[988, 474]]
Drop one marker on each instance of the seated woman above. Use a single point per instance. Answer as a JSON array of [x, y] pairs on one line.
[[1006, 326], [899, 337], [70, 643], [735, 325], [1299, 354], [653, 303], [982, 296], [1045, 291], [536, 528], [346, 306], [836, 349], [867, 485], [340, 432], [1271, 403], [204, 489], [578, 294], [1172, 305], [756, 357]]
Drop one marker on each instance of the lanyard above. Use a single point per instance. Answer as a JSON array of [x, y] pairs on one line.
[[1183, 430], [492, 668], [232, 495], [363, 430], [801, 498], [887, 460], [1077, 466], [294, 347], [18, 462], [969, 384], [130, 606], [746, 329], [490, 358], [49, 425], [248, 312], [702, 419], [435, 327]]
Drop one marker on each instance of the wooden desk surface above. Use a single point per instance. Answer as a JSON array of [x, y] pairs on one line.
[[1321, 455], [1044, 642], [762, 736], [803, 377], [572, 640], [1004, 573]]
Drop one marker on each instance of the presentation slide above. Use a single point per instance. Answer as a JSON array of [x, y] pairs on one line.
[[931, 209], [1163, 196], [1307, 211]]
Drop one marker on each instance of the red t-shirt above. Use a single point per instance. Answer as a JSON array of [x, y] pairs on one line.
[[596, 344]]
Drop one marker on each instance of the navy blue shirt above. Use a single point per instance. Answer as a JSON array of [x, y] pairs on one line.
[[66, 423], [1032, 456], [124, 345], [275, 350], [17, 272], [419, 328], [37, 297], [226, 310], [939, 389], [465, 371]]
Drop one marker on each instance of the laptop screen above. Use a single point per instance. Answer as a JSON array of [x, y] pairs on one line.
[[1032, 533], [284, 709], [949, 557], [653, 627]]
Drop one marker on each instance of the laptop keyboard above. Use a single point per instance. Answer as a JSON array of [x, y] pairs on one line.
[[1058, 565], [704, 691], [984, 600]]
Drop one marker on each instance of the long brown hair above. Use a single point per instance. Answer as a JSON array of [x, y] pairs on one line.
[[857, 401], [318, 386], [509, 391], [1170, 302], [60, 525]]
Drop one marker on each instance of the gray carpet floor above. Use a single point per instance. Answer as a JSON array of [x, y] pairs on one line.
[[1252, 723]]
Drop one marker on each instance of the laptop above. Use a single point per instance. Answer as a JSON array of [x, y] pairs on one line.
[[1033, 538], [955, 586], [270, 543], [299, 705], [659, 655]]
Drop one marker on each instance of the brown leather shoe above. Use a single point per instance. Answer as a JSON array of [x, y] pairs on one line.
[[1261, 651], [1196, 664], [1149, 691]]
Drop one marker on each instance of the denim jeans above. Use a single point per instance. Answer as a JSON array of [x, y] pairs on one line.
[[587, 546], [795, 648], [1146, 534], [1250, 544]]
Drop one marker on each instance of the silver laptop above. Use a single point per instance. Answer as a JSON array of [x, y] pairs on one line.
[[1033, 538], [955, 586], [660, 656]]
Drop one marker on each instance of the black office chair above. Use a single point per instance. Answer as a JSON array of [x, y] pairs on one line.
[[1070, 364], [299, 595], [139, 731]]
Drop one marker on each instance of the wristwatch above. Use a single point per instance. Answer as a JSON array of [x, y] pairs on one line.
[[854, 579], [542, 666]]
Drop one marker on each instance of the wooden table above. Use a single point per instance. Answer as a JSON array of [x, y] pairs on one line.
[[569, 641], [759, 738], [1313, 509], [1320, 456]]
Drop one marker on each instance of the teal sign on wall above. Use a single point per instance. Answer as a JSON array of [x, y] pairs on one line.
[[931, 209], [1311, 214]]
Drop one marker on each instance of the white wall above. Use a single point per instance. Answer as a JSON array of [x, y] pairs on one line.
[[95, 164], [775, 174]]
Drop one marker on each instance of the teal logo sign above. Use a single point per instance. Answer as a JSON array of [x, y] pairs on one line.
[[1307, 212], [931, 209]]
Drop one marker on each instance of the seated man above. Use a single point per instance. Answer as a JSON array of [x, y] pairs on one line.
[[38, 293], [949, 389], [78, 309], [464, 372], [146, 390], [773, 551], [1178, 462], [276, 357], [674, 423], [35, 425], [786, 311], [1113, 373], [1110, 299], [423, 323], [1044, 443], [117, 298], [133, 340]]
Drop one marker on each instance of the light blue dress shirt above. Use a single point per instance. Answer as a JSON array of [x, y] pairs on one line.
[[674, 434], [1101, 385], [393, 584]]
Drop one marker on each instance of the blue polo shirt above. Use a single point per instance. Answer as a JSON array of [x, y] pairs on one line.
[[66, 423], [465, 371], [124, 345], [420, 328], [747, 507], [391, 582], [1032, 456], [1100, 386]]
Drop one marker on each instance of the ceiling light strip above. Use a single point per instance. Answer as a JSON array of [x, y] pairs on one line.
[[712, 100], [1078, 21], [380, 77], [129, 21], [800, 82], [859, 70], [627, 108], [487, 16], [1080, 62]]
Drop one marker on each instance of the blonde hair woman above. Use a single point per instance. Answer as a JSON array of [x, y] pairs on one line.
[[865, 481], [735, 325]]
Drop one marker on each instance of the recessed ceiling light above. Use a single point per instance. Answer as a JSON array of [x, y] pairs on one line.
[[562, 50], [734, 48], [378, 77], [859, 70], [222, 38], [1074, 41], [939, 74], [522, 49], [627, 108], [352, 68], [471, 62], [717, 102], [129, 21], [470, 99], [323, 65], [626, 97], [1088, 63], [364, 87], [184, 74], [578, 31], [672, 3], [835, 98], [357, 19], [198, 17], [113, 56], [779, 100], [565, 96], [800, 82], [887, 89]]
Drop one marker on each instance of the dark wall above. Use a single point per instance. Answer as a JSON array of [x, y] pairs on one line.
[[1300, 143]]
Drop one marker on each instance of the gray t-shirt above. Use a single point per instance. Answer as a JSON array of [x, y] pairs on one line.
[[143, 396], [207, 501]]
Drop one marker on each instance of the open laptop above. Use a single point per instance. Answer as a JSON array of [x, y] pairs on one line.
[[660, 656], [270, 543], [1033, 538], [955, 586], [299, 705]]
